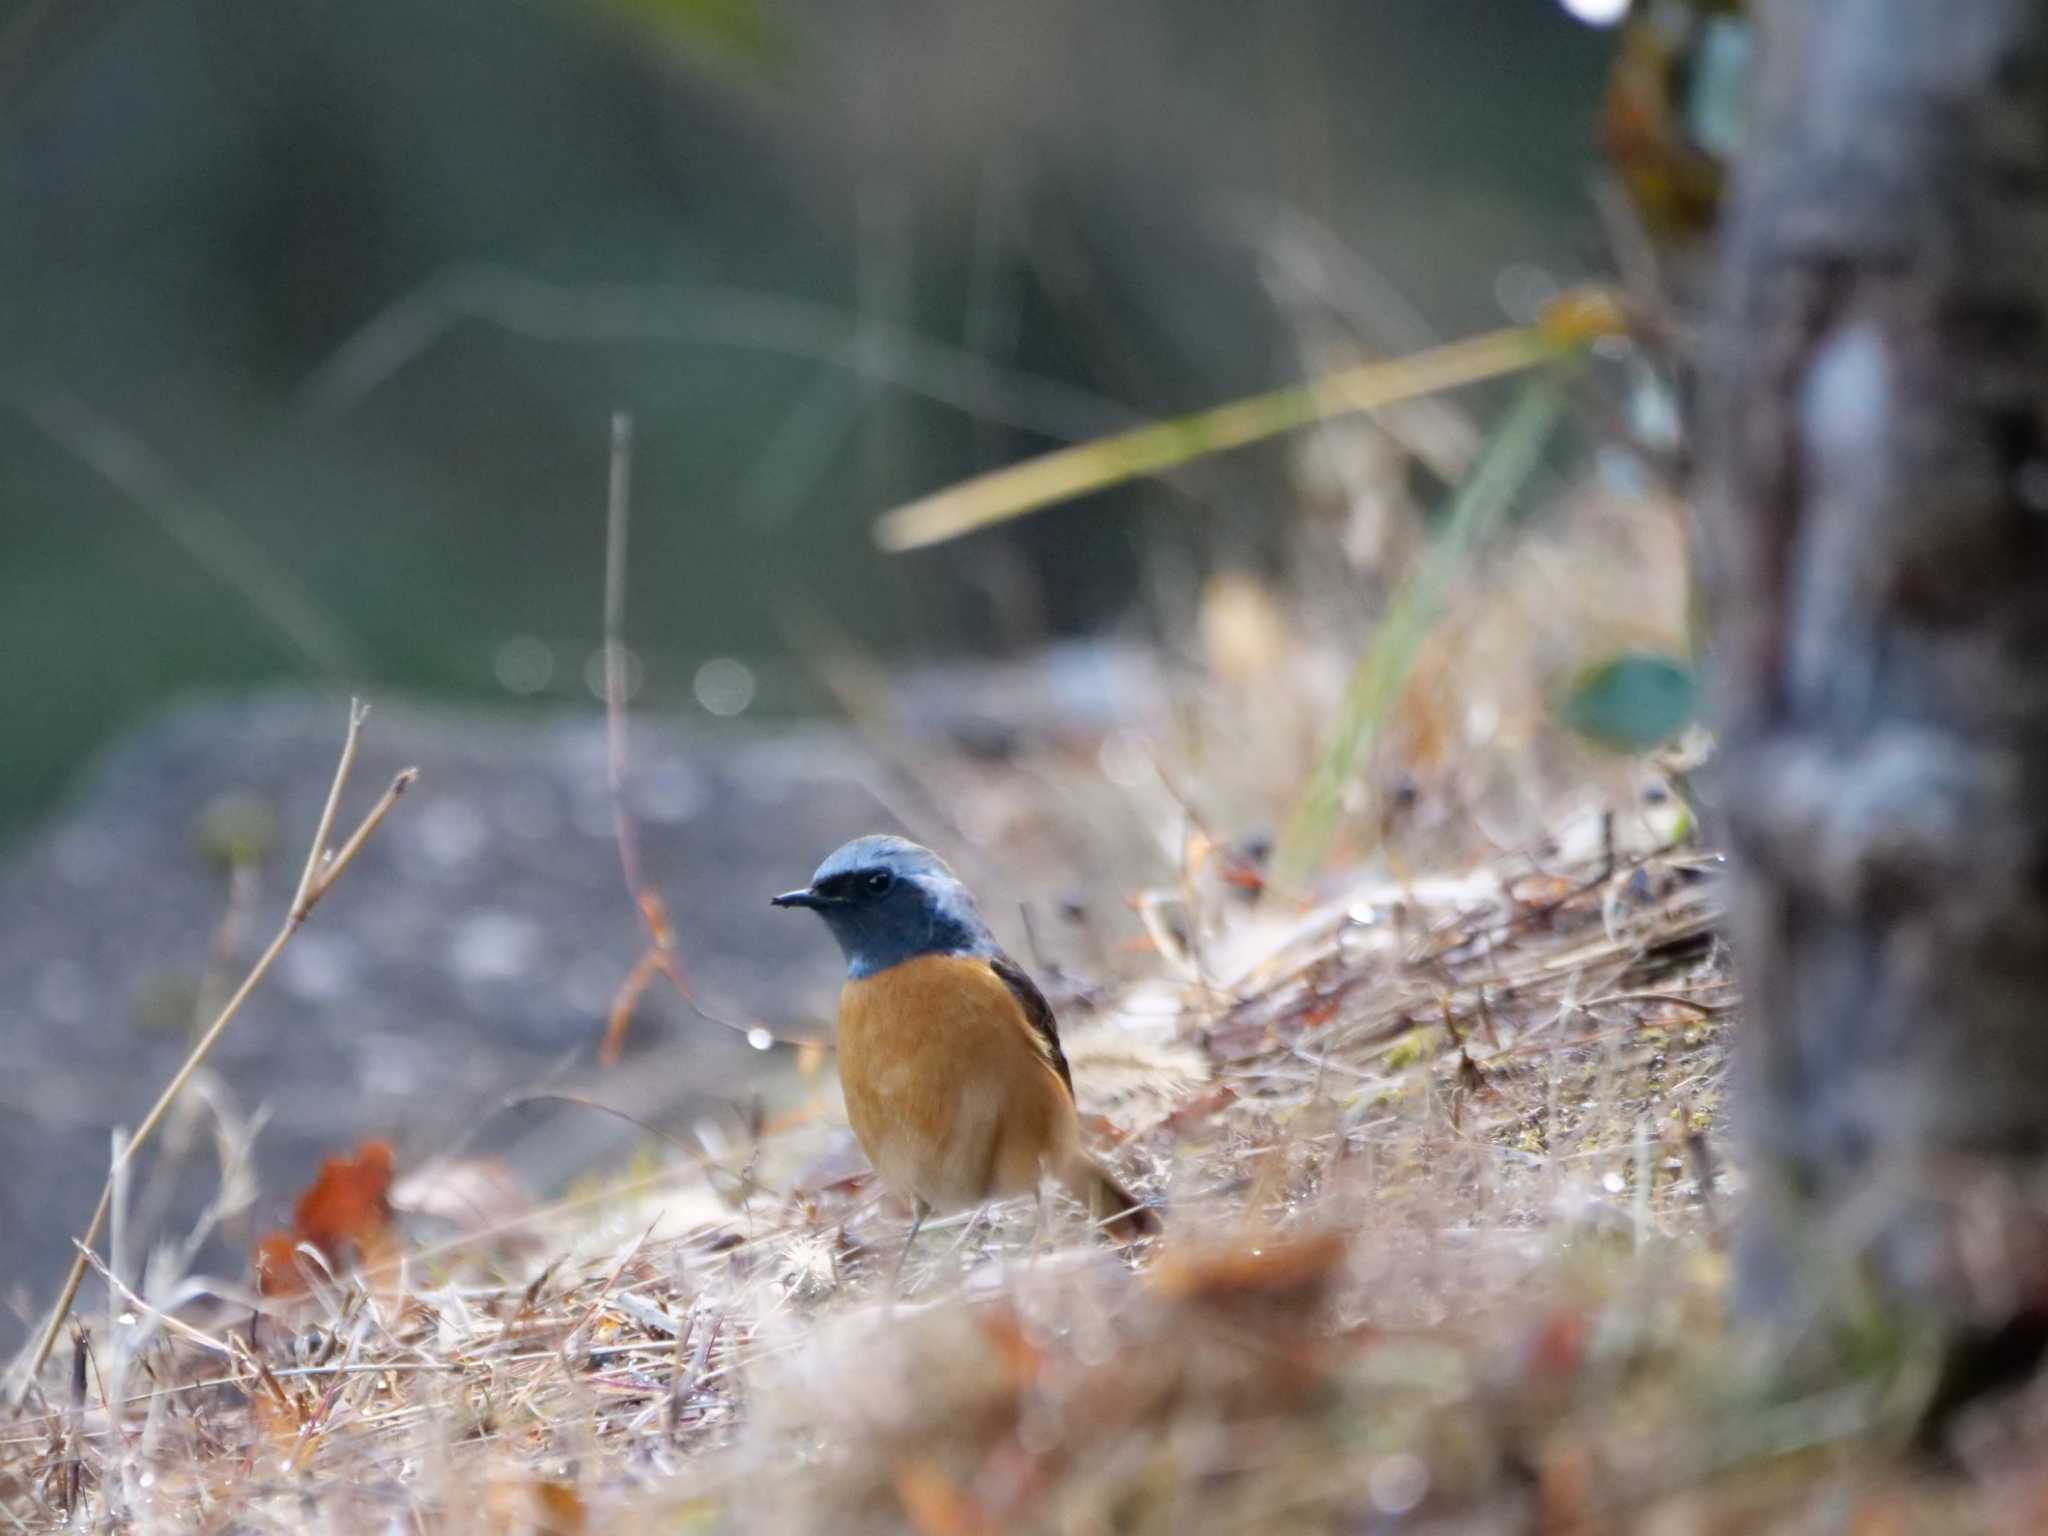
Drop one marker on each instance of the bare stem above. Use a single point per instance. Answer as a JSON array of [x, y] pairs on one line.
[[320, 874], [618, 514], [358, 712], [660, 955]]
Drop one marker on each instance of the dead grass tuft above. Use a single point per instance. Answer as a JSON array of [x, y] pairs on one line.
[[1443, 1167]]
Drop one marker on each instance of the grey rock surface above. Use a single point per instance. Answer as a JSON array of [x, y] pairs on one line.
[[472, 952]]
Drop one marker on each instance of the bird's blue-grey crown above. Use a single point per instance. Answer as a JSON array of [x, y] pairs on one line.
[[887, 900]]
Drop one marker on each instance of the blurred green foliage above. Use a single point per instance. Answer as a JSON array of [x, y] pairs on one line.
[[830, 255], [1476, 510], [1631, 702], [740, 34]]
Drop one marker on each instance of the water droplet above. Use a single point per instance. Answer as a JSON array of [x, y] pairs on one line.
[[524, 664], [724, 686], [1398, 1483], [630, 673]]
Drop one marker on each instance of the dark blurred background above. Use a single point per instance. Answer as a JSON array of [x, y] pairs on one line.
[[314, 314], [314, 320]]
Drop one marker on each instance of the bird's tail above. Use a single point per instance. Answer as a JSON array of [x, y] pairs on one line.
[[1121, 1214]]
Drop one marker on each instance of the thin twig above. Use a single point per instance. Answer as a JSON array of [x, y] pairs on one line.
[[617, 516], [358, 713], [685, 1379], [318, 879], [176, 1325], [660, 955], [213, 540]]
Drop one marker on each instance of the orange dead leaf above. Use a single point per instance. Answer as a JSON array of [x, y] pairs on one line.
[[936, 1505], [281, 1420], [1558, 1347], [1318, 1013], [1294, 1271], [275, 1259], [1012, 1345], [345, 1213], [1243, 876], [349, 1201], [559, 1508], [279, 1414], [1886, 1512], [535, 1508], [1564, 1489], [1195, 1111], [1101, 1128], [1541, 891]]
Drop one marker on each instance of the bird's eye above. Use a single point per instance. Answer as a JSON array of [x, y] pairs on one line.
[[878, 883]]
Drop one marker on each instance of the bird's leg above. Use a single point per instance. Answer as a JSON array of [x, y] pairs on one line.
[[918, 1211]]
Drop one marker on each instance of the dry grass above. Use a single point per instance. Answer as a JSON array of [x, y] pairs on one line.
[[1443, 1167], [1437, 1166]]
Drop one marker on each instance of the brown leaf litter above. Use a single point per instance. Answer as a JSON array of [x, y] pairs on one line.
[[1440, 1163]]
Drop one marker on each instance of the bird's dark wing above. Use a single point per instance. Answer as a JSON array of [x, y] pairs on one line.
[[1045, 1033]]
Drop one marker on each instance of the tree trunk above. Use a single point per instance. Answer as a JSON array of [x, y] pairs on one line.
[[1875, 554]]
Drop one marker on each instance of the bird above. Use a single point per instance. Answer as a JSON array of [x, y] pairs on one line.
[[949, 1056]]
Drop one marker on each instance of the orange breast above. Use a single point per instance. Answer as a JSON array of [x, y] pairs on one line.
[[950, 1099]]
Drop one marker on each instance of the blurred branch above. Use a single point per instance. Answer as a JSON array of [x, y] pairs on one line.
[[801, 451], [197, 527], [740, 318]]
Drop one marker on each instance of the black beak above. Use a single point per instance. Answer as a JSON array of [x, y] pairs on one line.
[[804, 898]]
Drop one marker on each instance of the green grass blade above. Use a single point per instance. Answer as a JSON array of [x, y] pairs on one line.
[[1477, 509]]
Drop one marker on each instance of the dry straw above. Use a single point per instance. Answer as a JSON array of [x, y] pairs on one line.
[[324, 865]]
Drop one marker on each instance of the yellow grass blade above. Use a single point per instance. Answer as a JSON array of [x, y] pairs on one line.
[[1571, 322]]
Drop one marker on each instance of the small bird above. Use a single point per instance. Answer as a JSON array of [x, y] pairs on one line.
[[948, 1053]]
